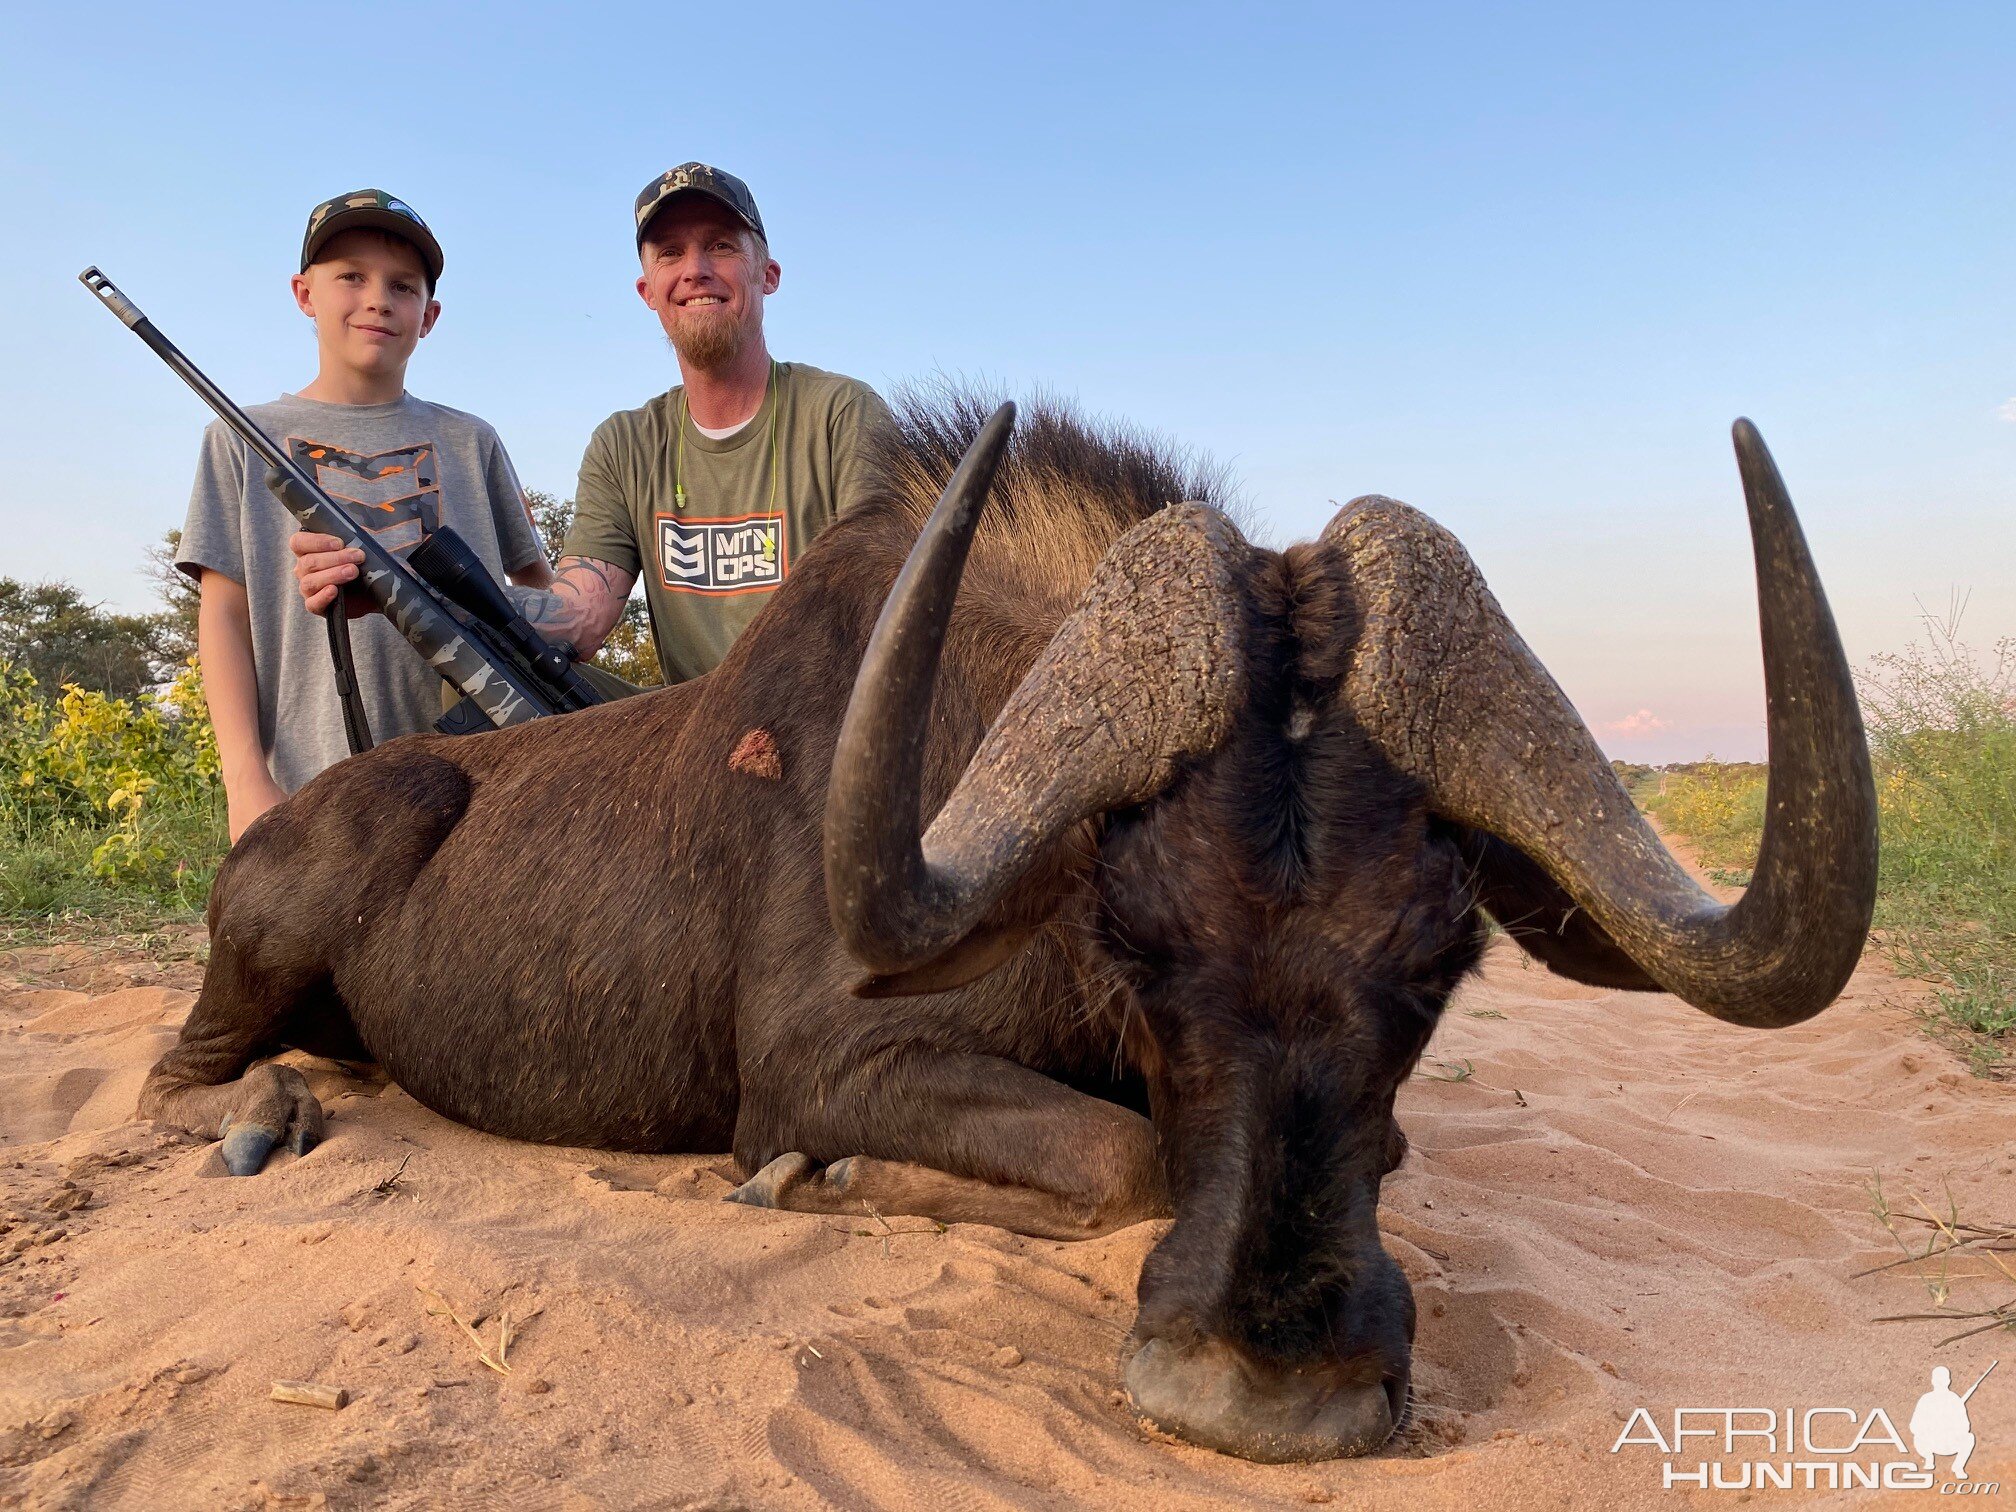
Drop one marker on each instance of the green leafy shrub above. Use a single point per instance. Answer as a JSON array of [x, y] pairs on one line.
[[104, 795], [1942, 732], [1719, 806]]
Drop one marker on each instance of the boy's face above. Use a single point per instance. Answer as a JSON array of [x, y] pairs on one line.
[[367, 293]]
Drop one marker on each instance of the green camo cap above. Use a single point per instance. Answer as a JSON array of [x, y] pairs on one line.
[[698, 178], [370, 207]]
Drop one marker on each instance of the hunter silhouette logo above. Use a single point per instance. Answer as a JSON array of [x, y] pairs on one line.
[[396, 495], [1815, 1448], [1939, 1423], [738, 554]]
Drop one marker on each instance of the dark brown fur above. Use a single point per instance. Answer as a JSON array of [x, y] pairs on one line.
[[592, 900], [611, 930]]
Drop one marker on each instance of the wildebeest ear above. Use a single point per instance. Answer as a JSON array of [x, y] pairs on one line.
[[968, 961], [1550, 926]]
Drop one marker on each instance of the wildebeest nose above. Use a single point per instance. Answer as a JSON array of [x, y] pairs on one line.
[[1210, 1394]]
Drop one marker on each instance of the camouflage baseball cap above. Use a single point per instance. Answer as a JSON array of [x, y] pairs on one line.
[[698, 178], [376, 208]]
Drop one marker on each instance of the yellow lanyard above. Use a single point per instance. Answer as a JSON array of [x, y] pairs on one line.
[[775, 395]]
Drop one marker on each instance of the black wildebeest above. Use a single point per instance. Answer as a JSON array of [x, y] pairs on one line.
[[1216, 832]]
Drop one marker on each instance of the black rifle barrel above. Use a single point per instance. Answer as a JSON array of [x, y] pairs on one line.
[[506, 695]]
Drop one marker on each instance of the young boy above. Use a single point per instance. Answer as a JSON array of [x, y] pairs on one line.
[[399, 465]]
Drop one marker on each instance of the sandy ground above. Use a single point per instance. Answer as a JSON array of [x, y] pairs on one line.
[[1622, 1203]]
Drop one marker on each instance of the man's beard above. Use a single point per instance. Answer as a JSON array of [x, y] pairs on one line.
[[709, 339]]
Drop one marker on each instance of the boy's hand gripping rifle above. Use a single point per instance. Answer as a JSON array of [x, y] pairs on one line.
[[505, 670]]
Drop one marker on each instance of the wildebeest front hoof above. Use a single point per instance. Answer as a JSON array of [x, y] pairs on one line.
[[268, 1104], [246, 1147], [767, 1187], [1211, 1397]]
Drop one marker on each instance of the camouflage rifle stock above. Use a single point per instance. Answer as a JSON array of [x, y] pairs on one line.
[[503, 667]]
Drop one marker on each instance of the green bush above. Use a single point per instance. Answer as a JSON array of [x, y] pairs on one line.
[[1942, 732], [1717, 806], [104, 800]]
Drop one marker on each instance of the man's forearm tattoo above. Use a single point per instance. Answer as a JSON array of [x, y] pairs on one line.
[[579, 598], [540, 606], [577, 573]]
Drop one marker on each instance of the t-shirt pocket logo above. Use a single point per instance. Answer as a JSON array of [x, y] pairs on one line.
[[733, 554]]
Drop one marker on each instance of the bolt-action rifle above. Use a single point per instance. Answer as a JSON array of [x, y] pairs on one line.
[[445, 603]]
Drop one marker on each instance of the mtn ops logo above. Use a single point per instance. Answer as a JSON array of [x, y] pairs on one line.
[[1817, 1448], [738, 554]]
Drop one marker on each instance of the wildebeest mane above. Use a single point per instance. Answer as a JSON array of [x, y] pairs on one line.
[[1069, 487]]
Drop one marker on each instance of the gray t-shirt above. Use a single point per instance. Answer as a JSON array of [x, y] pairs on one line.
[[399, 470]]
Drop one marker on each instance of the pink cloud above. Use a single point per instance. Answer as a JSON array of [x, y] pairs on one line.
[[1644, 722]]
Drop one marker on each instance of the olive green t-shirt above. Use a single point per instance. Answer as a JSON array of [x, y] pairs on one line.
[[753, 502]]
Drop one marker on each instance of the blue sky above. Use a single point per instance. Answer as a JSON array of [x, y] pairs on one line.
[[1520, 266]]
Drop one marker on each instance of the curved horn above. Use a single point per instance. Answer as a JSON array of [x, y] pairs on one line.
[[1453, 696], [1143, 673]]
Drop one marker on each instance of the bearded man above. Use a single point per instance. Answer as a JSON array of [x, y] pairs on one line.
[[712, 490]]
